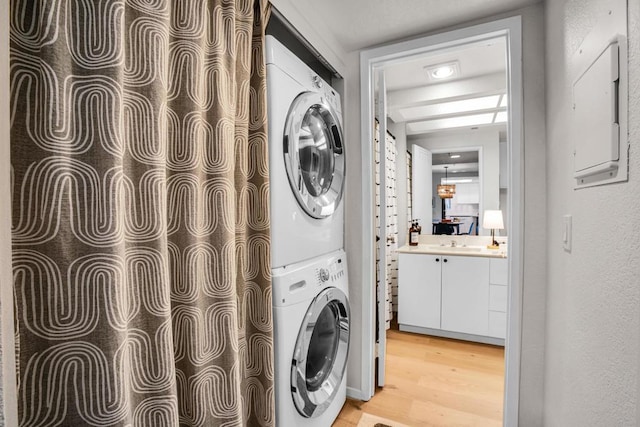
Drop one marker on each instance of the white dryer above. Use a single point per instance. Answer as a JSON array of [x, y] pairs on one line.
[[306, 160], [311, 337]]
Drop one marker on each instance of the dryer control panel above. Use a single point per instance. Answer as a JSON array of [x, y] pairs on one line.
[[301, 283], [330, 95]]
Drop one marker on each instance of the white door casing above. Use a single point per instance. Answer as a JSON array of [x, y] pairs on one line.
[[382, 242], [376, 58]]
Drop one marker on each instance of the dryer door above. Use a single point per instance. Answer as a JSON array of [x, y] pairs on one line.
[[314, 154], [320, 354]]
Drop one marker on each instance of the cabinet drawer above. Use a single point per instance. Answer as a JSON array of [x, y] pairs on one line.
[[499, 271], [497, 324], [498, 298]]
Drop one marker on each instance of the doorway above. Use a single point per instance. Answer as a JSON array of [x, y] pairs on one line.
[[376, 59]]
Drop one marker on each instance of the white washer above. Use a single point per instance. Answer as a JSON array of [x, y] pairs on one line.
[[306, 160], [311, 337]]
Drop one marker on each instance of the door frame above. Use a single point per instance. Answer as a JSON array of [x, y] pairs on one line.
[[383, 274], [370, 59]]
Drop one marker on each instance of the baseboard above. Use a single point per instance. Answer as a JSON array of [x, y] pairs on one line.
[[354, 393], [454, 335]]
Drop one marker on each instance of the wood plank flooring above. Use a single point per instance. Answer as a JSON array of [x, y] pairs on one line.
[[435, 381]]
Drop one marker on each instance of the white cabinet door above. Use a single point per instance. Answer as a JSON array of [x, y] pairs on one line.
[[465, 295], [419, 290]]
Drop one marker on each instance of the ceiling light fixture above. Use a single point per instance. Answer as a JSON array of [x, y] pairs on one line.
[[446, 191], [443, 71], [454, 156]]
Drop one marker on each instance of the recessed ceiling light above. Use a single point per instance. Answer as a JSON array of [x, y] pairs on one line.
[[443, 71], [454, 156]]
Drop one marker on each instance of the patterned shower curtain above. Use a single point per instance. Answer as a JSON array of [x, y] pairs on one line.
[[390, 235], [140, 213]]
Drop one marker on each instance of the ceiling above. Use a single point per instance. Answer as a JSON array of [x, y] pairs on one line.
[[466, 162], [359, 24], [476, 59], [474, 98], [446, 159]]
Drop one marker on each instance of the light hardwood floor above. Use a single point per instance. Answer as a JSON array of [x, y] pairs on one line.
[[434, 381]]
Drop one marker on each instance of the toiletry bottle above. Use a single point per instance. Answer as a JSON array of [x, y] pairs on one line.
[[418, 226], [413, 235]]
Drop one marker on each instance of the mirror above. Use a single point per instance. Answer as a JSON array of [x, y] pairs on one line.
[[473, 162], [464, 114], [458, 168]]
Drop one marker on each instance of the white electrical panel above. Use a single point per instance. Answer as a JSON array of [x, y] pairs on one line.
[[599, 101], [595, 110]]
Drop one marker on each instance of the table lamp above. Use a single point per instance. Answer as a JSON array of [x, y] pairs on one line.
[[493, 220]]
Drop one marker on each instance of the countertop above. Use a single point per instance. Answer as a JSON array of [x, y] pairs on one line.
[[477, 251]]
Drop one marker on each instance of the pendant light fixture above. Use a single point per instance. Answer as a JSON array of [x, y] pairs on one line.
[[446, 191]]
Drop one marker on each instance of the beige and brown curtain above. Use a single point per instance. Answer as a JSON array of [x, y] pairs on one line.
[[140, 213]]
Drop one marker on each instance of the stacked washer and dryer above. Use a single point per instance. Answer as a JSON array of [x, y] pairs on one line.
[[309, 269]]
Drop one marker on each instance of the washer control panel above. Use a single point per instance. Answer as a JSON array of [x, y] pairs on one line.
[[324, 274], [331, 273], [300, 283]]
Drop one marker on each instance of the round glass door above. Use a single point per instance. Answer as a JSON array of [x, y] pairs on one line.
[[320, 354], [314, 154]]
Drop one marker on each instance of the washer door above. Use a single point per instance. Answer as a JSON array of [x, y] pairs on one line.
[[320, 355], [314, 154]]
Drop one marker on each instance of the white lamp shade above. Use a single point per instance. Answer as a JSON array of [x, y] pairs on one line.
[[493, 219]]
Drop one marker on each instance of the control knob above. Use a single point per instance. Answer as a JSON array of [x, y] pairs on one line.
[[324, 274], [317, 81]]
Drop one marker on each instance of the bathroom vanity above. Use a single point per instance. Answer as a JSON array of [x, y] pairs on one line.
[[455, 292]]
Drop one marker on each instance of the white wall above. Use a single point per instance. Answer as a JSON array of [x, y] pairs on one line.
[[488, 139], [314, 31], [593, 304], [354, 212]]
